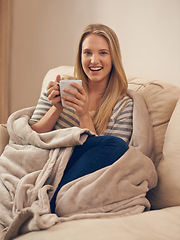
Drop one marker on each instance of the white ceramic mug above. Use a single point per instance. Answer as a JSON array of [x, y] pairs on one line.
[[65, 83]]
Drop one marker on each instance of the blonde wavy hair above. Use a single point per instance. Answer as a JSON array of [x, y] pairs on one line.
[[117, 85]]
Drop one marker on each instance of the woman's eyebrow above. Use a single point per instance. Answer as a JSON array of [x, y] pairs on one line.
[[104, 49], [86, 49]]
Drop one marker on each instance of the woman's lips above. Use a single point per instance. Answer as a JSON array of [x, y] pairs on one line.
[[95, 69]]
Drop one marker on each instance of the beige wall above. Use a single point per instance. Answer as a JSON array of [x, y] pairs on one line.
[[45, 34]]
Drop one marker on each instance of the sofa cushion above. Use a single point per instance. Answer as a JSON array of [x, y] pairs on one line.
[[167, 192], [4, 137], [161, 224], [160, 98]]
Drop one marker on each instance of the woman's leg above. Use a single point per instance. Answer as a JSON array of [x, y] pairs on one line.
[[94, 154]]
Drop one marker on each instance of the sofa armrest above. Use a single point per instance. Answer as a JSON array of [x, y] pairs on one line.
[[4, 137]]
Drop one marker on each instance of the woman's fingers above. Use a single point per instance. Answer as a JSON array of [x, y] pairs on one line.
[[78, 93], [78, 87], [53, 87], [53, 92], [58, 78], [77, 99], [54, 84]]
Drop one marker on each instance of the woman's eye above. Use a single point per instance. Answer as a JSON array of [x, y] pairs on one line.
[[87, 53], [103, 53]]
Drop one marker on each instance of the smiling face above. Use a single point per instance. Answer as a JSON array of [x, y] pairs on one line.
[[96, 58]]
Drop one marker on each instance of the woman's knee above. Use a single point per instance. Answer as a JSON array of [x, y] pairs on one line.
[[113, 141], [114, 146]]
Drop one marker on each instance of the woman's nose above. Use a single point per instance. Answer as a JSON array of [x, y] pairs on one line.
[[94, 58]]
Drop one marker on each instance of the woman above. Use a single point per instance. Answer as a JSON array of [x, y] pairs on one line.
[[100, 105]]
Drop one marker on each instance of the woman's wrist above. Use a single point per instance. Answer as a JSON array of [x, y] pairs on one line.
[[57, 110], [86, 122]]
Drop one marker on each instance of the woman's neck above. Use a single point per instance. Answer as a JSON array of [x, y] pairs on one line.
[[97, 88], [96, 91]]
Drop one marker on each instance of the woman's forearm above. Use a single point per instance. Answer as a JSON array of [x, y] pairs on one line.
[[47, 122]]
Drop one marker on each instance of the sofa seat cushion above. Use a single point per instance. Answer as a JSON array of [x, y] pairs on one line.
[[148, 225]]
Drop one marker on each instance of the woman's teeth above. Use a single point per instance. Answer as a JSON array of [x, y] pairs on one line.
[[95, 68]]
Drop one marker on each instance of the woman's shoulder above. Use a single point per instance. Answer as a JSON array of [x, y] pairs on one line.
[[123, 101], [124, 105]]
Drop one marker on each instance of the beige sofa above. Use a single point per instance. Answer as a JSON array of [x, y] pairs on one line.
[[163, 220]]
